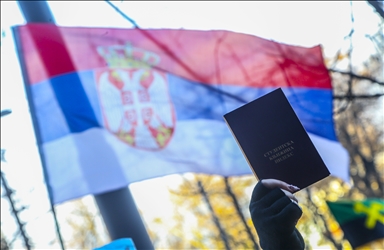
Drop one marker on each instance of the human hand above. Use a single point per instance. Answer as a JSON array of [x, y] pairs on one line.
[[286, 188], [275, 212]]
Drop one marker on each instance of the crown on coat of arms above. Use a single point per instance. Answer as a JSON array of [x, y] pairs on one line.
[[127, 56]]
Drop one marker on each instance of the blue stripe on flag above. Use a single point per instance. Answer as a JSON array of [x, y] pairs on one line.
[[74, 102], [67, 105], [197, 101], [52, 122]]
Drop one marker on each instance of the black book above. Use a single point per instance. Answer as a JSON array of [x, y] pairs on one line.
[[274, 141]]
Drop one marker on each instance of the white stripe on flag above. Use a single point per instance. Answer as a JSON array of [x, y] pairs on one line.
[[96, 161], [334, 156]]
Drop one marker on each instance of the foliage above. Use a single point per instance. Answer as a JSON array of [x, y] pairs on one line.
[[85, 231], [210, 214]]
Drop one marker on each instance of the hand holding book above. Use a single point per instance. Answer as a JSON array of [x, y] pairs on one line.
[[274, 215], [288, 189]]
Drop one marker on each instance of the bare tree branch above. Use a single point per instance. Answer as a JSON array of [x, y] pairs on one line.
[[351, 97], [15, 212], [357, 76]]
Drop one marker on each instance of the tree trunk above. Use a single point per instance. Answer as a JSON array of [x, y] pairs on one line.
[[214, 216], [228, 189]]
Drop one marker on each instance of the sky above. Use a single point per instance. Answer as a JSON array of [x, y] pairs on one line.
[[297, 23]]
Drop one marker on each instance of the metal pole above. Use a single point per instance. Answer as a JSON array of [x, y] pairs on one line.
[[122, 218], [117, 207], [38, 11]]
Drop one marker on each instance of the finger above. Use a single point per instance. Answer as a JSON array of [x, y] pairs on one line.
[[268, 199], [296, 203], [272, 183], [259, 191], [279, 205], [290, 196], [294, 213]]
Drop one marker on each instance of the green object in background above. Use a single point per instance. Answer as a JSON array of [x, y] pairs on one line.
[[361, 221]]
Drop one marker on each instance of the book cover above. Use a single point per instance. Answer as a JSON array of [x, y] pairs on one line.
[[274, 141]]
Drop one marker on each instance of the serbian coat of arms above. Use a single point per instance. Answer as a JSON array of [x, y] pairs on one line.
[[134, 97]]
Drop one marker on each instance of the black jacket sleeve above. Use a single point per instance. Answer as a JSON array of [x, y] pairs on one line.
[[274, 216]]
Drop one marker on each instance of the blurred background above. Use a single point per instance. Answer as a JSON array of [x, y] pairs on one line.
[[189, 211]]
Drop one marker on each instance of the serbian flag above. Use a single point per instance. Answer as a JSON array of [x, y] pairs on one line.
[[361, 221], [116, 106]]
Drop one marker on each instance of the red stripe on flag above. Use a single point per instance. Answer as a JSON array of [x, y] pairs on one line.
[[210, 57], [48, 53]]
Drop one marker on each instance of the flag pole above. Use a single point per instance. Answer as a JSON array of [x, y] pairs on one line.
[[117, 207], [37, 12]]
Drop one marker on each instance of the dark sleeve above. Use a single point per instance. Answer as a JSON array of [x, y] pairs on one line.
[[274, 216]]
